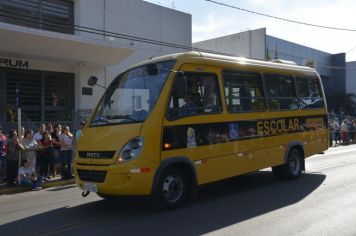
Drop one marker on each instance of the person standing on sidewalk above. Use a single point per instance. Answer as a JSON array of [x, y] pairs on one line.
[[332, 133], [46, 154], [49, 128], [66, 141], [3, 143], [30, 148], [78, 133], [39, 135], [337, 128], [27, 176], [12, 156], [56, 148], [344, 131]]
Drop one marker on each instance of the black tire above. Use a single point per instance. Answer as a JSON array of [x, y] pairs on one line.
[[292, 169], [173, 189]]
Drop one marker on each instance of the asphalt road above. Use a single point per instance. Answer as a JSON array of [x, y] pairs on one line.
[[322, 202]]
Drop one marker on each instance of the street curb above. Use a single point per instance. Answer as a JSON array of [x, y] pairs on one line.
[[20, 189]]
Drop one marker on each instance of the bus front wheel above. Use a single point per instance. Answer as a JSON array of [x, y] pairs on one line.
[[173, 188], [292, 169]]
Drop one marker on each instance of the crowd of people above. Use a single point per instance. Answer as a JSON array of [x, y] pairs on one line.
[[32, 158], [342, 132]]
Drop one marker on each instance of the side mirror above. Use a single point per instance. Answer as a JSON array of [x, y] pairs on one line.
[[92, 81], [181, 85], [152, 69]]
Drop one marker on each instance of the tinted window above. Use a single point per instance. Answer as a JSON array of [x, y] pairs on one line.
[[243, 92], [52, 15], [309, 93], [202, 97], [280, 92]]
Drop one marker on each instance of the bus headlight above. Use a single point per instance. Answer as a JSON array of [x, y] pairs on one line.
[[131, 150]]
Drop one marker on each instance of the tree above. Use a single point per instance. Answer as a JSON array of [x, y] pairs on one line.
[[341, 102]]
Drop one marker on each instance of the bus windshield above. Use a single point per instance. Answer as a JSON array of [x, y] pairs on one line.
[[131, 96]]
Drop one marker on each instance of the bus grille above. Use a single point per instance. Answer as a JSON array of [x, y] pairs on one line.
[[96, 154], [92, 175]]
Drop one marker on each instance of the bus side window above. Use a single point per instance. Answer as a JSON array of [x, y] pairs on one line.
[[280, 92], [202, 97], [243, 92], [309, 93]]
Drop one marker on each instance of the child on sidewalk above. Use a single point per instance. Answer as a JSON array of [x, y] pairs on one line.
[[27, 176]]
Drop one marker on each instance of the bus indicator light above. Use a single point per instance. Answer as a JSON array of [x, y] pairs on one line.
[[167, 146]]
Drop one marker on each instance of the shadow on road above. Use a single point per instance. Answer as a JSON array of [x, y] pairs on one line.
[[218, 205]]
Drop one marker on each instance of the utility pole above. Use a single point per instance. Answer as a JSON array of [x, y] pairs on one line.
[[19, 130]]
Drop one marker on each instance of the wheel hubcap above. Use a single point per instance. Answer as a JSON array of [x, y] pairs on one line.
[[172, 188], [294, 164]]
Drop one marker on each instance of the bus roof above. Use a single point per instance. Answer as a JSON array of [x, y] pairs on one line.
[[209, 57]]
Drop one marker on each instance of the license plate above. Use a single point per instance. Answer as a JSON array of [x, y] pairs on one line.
[[91, 187]]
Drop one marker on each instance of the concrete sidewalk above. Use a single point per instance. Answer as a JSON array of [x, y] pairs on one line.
[[4, 189]]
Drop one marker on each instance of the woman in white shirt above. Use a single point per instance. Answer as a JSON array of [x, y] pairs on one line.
[[66, 142], [30, 148]]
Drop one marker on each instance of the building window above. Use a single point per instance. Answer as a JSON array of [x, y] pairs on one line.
[[243, 92], [280, 91], [52, 15], [42, 96]]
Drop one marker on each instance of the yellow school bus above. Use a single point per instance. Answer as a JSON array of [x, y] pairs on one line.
[[172, 123]]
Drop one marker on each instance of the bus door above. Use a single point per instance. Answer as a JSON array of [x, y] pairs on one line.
[[194, 125]]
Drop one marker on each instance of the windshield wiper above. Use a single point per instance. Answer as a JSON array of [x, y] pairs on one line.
[[125, 117], [100, 119]]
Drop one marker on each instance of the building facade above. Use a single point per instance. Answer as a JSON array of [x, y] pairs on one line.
[[351, 77], [257, 44], [49, 48]]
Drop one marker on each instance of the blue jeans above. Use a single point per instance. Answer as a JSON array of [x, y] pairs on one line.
[[66, 163], [29, 182]]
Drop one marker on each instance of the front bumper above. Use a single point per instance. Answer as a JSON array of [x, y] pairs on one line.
[[122, 179]]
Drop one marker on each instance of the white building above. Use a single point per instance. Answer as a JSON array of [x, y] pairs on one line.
[[49, 60]]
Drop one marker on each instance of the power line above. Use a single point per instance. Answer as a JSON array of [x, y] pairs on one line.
[[280, 18], [66, 26]]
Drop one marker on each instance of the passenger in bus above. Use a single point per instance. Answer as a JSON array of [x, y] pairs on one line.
[[189, 107]]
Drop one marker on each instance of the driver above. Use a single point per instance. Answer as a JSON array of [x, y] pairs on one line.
[[189, 107]]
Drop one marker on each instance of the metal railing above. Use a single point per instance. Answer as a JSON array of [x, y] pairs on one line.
[[74, 123]]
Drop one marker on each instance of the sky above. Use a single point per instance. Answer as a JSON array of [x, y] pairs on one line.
[[210, 21]]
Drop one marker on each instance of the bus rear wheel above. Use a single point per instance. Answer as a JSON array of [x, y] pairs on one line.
[[173, 189], [292, 169]]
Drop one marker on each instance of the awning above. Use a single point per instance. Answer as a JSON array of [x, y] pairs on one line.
[[40, 44]]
